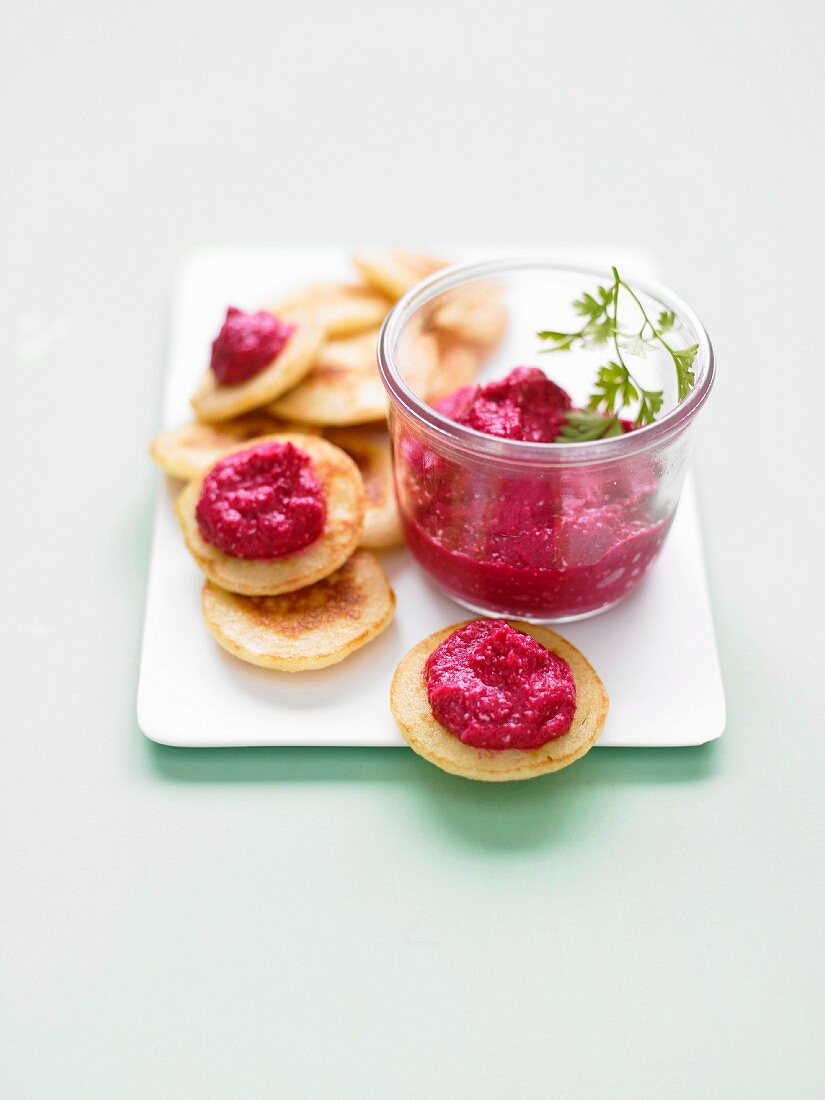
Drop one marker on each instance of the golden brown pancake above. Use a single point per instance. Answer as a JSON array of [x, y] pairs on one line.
[[213, 401], [344, 493], [186, 451], [395, 272], [474, 313], [458, 365], [370, 448], [342, 388], [312, 628], [413, 713], [418, 360], [341, 308]]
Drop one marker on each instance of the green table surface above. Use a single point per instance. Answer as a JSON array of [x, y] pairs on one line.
[[353, 923]]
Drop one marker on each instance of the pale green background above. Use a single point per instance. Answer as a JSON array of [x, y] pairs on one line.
[[310, 923]]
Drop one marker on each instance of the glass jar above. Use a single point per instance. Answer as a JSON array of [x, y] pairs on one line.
[[539, 531]]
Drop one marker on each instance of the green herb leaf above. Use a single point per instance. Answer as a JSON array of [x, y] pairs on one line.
[[563, 340], [597, 329], [549, 334], [683, 358], [588, 306], [600, 333], [665, 321], [651, 402], [614, 388], [583, 426]]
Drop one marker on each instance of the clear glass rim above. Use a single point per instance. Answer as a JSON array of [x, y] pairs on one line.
[[601, 450]]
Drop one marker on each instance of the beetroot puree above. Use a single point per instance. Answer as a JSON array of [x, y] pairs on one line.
[[246, 344], [496, 688], [262, 503], [550, 543], [524, 405]]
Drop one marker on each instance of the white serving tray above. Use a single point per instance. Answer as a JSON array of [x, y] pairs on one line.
[[656, 652]]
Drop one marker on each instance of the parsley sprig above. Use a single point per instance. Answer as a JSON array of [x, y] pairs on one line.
[[616, 387]]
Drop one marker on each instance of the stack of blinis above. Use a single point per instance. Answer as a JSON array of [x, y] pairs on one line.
[[289, 477]]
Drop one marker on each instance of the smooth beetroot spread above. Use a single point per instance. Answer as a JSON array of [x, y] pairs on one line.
[[262, 503], [246, 344], [496, 688], [524, 405]]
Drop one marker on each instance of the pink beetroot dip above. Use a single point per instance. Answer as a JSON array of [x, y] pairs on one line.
[[262, 503], [524, 405], [246, 344], [494, 687], [557, 543]]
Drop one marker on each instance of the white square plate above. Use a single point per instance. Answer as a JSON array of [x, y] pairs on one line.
[[656, 652]]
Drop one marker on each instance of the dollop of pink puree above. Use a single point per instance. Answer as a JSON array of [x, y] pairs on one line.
[[246, 344], [524, 405], [544, 543], [262, 503], [494, 687]]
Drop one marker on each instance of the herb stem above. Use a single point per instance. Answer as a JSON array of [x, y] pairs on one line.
[[654, 331], [617, 282]]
